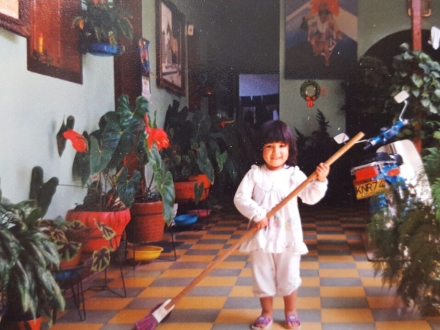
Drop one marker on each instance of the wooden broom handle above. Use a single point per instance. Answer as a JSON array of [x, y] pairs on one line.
[[254, 229], [312, 176]]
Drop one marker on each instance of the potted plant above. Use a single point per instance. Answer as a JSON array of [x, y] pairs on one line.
[[154, 201], [102, 25], [195, 154], [27, 259], [69, 237], [416, 73], [104, 162]]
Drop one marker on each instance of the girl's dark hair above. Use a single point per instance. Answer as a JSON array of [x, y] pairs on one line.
[[277, 131]]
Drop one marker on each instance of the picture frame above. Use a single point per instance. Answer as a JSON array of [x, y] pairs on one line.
[[14, 16], [53, 46], [170, 41]]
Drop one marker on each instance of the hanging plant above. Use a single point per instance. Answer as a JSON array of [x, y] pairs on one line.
[[310, 91]]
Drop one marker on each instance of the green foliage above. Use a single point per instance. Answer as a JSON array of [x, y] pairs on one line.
[[195, 146], [27, 257], [104, 22], [367, 97], [406, 236], [101, 167], [164, 183], [198, 191], [69, 236], [416, 73], [407, 243], [316, 148], [408, 253]]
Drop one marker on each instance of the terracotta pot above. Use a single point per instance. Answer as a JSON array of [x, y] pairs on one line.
[[34, 324], [117, 220], [147, 222], [72, 263], [418, 144], [202, 213], [185, 190]]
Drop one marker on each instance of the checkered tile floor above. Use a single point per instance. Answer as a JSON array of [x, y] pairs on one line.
[[339, 290]]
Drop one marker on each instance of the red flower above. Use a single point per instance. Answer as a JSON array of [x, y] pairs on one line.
[[224, 122], [79, 142], [157, 135]]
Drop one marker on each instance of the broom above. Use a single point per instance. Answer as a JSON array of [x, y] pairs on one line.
[[150, 321]]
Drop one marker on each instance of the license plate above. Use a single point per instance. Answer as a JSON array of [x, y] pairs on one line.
[[370, 188]]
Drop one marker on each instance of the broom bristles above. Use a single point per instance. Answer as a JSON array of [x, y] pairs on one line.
[[149, 322]]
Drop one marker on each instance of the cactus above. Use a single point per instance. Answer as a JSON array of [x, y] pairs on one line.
[[40, 191]]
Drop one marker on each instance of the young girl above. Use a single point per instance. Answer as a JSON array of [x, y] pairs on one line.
[[277, 247]]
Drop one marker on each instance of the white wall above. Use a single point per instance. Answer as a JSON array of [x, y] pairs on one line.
[[32, 107]]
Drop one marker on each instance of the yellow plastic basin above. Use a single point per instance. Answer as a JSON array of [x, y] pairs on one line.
[[146, 252]]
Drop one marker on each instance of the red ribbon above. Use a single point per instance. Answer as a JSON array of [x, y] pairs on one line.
[[310, 101]]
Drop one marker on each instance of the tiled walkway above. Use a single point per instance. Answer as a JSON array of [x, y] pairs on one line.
[[339, 290]]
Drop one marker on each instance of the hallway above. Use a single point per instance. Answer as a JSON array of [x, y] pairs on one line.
[[339, 290]]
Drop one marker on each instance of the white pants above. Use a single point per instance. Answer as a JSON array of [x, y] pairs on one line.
[[275, 273]]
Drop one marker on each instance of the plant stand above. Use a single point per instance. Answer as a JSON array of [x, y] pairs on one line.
[[70, 280], [105, 285]]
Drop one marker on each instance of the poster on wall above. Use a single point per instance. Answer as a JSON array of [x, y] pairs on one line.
[[145, 61], [320, 38]]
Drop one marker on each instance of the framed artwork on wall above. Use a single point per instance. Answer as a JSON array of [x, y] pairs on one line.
[[53, 46], [170, 41], [14, 16], [320, 38]]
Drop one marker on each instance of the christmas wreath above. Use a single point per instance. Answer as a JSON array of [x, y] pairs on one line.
[[306, 95]]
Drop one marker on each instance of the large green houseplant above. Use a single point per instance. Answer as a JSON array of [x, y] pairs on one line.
[[103, 22], [27, 259], [407, 241], [416, 73], [195, 148], [98, 163], [104, 162]]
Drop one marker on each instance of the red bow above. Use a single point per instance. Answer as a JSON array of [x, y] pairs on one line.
[[310, 101]]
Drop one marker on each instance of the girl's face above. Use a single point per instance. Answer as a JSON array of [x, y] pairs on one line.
[[275, 155]]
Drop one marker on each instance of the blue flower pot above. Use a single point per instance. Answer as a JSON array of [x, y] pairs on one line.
[[104, 49], [185, 219]]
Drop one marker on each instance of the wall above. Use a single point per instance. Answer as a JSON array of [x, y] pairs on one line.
[[32, 108], [376, 19]]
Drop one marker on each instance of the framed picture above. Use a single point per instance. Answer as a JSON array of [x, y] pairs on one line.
[[170, 47], [52, 46], [320, 38], [14, 16]]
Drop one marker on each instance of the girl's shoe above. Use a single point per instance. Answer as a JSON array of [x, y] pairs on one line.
[[293, 322], [262, 322]]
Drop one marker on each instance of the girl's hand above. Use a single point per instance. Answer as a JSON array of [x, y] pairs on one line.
[[262, 223], [322, 171]]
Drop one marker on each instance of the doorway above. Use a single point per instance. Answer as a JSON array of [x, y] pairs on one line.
[[259, 98]]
